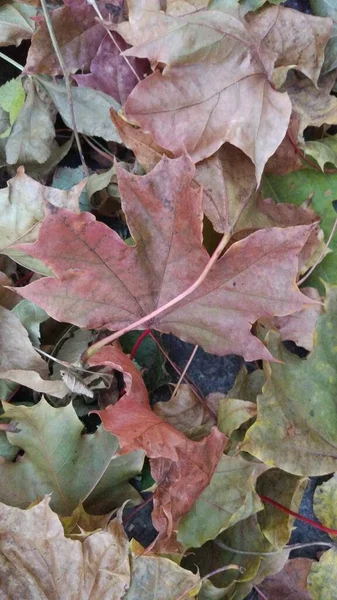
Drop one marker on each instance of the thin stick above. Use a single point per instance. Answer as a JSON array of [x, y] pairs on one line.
[[100, 16], [263, 596], [66, 80], [320, 256], [290, 547], [188, 364], [106, 155], [190, 384], [11, 61], [71, 366], [136, 325], [211, 574]]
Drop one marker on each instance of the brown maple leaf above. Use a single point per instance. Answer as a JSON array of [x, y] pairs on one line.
[[101, 282], [214, 88], [181, 467], [79, 36]]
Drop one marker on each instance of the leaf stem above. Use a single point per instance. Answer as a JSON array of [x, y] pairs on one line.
[[142, 336], [263, 596], [328, 530], [66, 80], [211, 574], [11, 61], [137, 324], [106, 155], [290, 547], [191, 385]]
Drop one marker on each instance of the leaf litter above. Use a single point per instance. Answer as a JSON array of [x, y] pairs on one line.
[[204, 208]]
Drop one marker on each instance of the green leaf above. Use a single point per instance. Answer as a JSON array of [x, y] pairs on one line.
[[230, 497], [325, 502], [287, 490], [4, 120], [323, 151], [66, 177], [99, 181], [61, 460], [148, 357], [296, 188], [12, 97], [31, 317], [91, 108], [246, 536], [323, 576], [295, 428], [33, 131]]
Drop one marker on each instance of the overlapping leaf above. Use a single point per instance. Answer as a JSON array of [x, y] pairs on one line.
[[60, 459], [102, 282], [297, 410], [20, 363], [199, 101], [182, 468]]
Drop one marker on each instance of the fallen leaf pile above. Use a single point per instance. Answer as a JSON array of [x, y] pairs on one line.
[[166, 168]]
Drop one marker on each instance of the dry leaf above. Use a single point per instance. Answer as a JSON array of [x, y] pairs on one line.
[[114, 284], [182, 468], [37, 561]]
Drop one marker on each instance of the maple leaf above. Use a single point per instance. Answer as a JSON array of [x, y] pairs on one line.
[[289, 433], [60, 460], [110, 73], [290, 582], [281, 30], [38, 561], [22, 205], [181, 467], [300, 327], [102, 282], [314, 106], [79, 36], [199, 101]]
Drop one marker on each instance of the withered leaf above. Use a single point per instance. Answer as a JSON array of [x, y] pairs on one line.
[[182, 468], [37, 561], [199, 101], [102, 282]]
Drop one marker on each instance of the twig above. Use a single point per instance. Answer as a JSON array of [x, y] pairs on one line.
[[188, 364], [318, 260], [66, 80], [11, 61], [290, 547], [100, 16], [190, 384], [106, 155], [136, 325], [263, 596]]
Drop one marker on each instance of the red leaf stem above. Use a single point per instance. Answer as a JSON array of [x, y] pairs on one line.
[[142, 336], [328, 530]]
